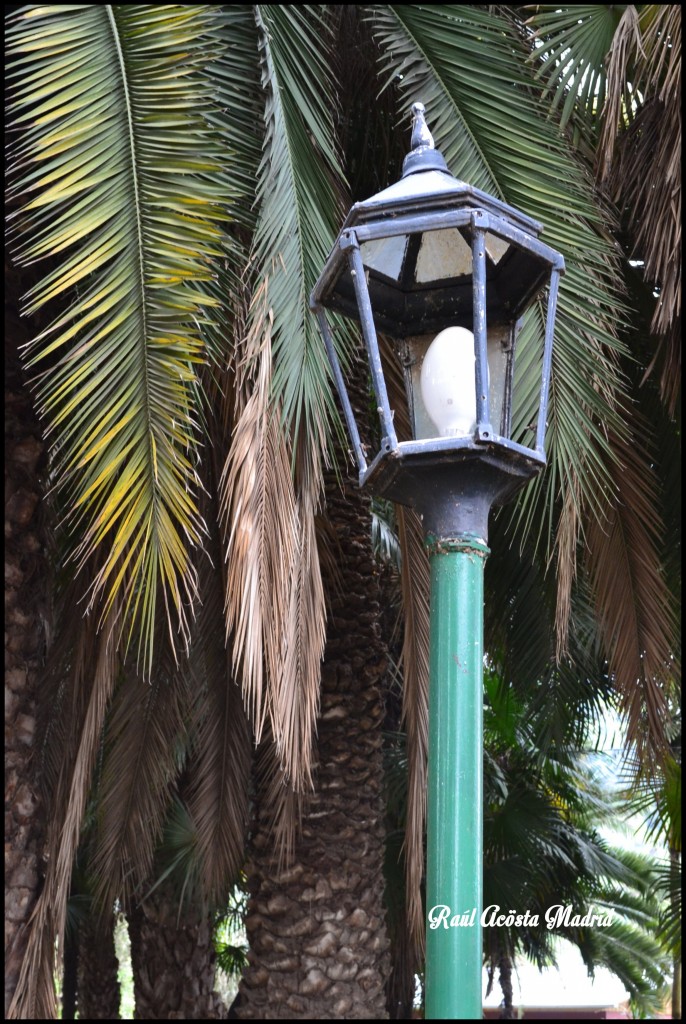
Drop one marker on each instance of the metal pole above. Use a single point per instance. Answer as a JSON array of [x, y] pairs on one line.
[[454, 881]]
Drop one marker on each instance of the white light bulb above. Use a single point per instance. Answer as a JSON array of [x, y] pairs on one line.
[[448, 383]]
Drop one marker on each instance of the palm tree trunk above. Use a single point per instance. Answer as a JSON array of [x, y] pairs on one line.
[[98, 984], [316, 928], [505, 977], [26, 622], [70, 961], [173, 960], [676, 989]]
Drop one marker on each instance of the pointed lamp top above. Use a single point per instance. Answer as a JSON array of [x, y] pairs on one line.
[[421, 136], [424, 156]]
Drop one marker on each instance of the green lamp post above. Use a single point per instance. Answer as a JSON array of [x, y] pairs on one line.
[[445, 272]]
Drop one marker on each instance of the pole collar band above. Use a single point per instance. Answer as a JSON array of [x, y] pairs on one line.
[[469, 543]]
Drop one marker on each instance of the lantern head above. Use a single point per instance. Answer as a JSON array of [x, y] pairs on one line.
[[443, 273]]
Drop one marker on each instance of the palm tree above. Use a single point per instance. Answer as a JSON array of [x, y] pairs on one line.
[[542, 847], [657, 799], [178, 176], [171, 928], [27, 596]]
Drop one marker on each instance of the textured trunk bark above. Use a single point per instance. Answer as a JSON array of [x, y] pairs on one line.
[[98, 982], [316, 929], [173, 961], [26, 620], [400, 988]]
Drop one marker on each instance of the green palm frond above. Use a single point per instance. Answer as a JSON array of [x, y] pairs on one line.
[[571, 58], [384, 534], [669, 886], [231, 958], [635, 957], [299, 206], [518, 610], [114, 170], [542, 850], [239, 106], [660, 800], [177, 859]]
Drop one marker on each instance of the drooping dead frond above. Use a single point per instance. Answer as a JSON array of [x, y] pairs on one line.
[[34, 996], [633, 603], [259, 519], [281, 805], [220, 761], [639, 161], [626, 44], [65, 687], [646, 178], [566, 545], [296, 690], [275, 608], [143, 747]]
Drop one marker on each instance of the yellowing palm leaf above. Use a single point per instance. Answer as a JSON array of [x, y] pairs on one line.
[[108, 174]]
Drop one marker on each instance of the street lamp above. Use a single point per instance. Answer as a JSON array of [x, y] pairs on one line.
[[443, 273]]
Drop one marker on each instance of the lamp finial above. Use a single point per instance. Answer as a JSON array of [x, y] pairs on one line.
[[423, 155], [421, 136]]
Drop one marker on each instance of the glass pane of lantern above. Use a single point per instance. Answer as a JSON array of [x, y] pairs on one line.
[[496, 247], [385, 255], [499, 343], [442, 254], [498, 340]]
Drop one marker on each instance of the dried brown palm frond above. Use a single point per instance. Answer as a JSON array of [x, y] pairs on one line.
[[644, 62], [615, 74], [93, 670], [259, 520], [296, 690], [65, 686], [646, 178], [219, 760], [566, 544], [639, 161], [275, 609], [626, 45], [220, 746], [634, 606], [144, 747]]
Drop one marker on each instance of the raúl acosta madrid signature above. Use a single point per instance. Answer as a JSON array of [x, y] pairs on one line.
[[558, 916]]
